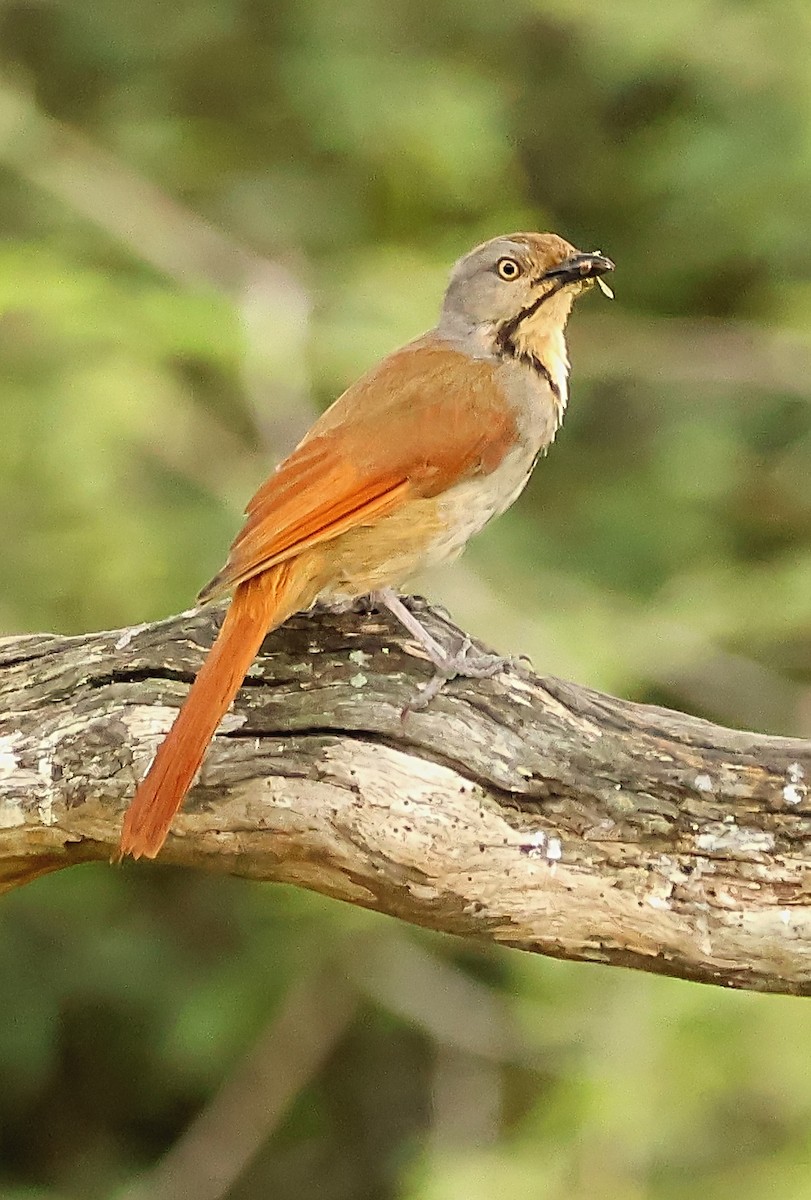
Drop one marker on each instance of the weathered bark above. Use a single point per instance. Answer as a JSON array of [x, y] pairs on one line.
[[528, 811]]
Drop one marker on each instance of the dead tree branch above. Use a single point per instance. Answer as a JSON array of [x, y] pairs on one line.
[[527, 811]]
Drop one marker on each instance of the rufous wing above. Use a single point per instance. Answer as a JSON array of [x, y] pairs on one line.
[[427, 417]]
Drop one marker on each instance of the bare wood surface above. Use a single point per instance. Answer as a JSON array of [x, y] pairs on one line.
[[528, 811]]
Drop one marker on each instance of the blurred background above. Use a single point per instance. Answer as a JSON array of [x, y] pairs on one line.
[[214, 214]]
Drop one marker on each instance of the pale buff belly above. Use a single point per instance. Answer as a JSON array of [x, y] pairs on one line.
[[423, 533]]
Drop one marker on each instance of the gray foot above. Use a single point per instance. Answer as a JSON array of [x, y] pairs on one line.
[[465, 662]]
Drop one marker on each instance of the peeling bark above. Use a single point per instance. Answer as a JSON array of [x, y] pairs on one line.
[[527, 811]]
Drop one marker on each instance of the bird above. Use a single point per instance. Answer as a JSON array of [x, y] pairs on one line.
[[396, 476]]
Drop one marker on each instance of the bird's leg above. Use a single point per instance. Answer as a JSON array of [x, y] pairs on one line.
[[447, 666]]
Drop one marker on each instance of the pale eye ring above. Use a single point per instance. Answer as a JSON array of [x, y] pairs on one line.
[[508, 269]]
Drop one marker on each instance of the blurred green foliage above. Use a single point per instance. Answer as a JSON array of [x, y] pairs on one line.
[[155, 161]]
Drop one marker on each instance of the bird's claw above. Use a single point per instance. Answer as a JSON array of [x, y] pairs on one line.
[[461, 665]]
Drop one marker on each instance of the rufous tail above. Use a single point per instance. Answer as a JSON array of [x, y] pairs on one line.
[[260, 604]]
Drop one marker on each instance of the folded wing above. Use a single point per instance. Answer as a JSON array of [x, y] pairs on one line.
[[425, 418]]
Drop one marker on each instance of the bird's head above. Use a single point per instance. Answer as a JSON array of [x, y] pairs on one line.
[[520, 288]]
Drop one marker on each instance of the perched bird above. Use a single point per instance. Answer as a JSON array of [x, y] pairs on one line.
[[403, 468]]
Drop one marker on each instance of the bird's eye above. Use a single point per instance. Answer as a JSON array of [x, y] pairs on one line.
[[508, 268]]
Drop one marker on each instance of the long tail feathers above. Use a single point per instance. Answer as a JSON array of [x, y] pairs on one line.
[[260, 604]]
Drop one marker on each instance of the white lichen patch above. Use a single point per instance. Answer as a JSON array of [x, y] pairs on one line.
[[11, 815], [231, 721], [359, 657], [660, 884], [670, 868], [539, 844], [45, 810], [719, 837], [9, 764], [128, 634], [301, 668], [12, 772], [795, 791], [148, 720], [358, 681], [535, 842], [703, 783]]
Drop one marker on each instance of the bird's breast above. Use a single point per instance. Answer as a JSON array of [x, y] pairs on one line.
[[466, 507]]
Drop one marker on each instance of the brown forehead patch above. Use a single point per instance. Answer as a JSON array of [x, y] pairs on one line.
[[545, 249]]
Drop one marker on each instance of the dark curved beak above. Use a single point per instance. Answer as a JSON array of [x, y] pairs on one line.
[[580, 266]]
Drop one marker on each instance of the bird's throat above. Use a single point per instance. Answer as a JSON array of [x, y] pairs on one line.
[[535, 337], [543, 351]]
